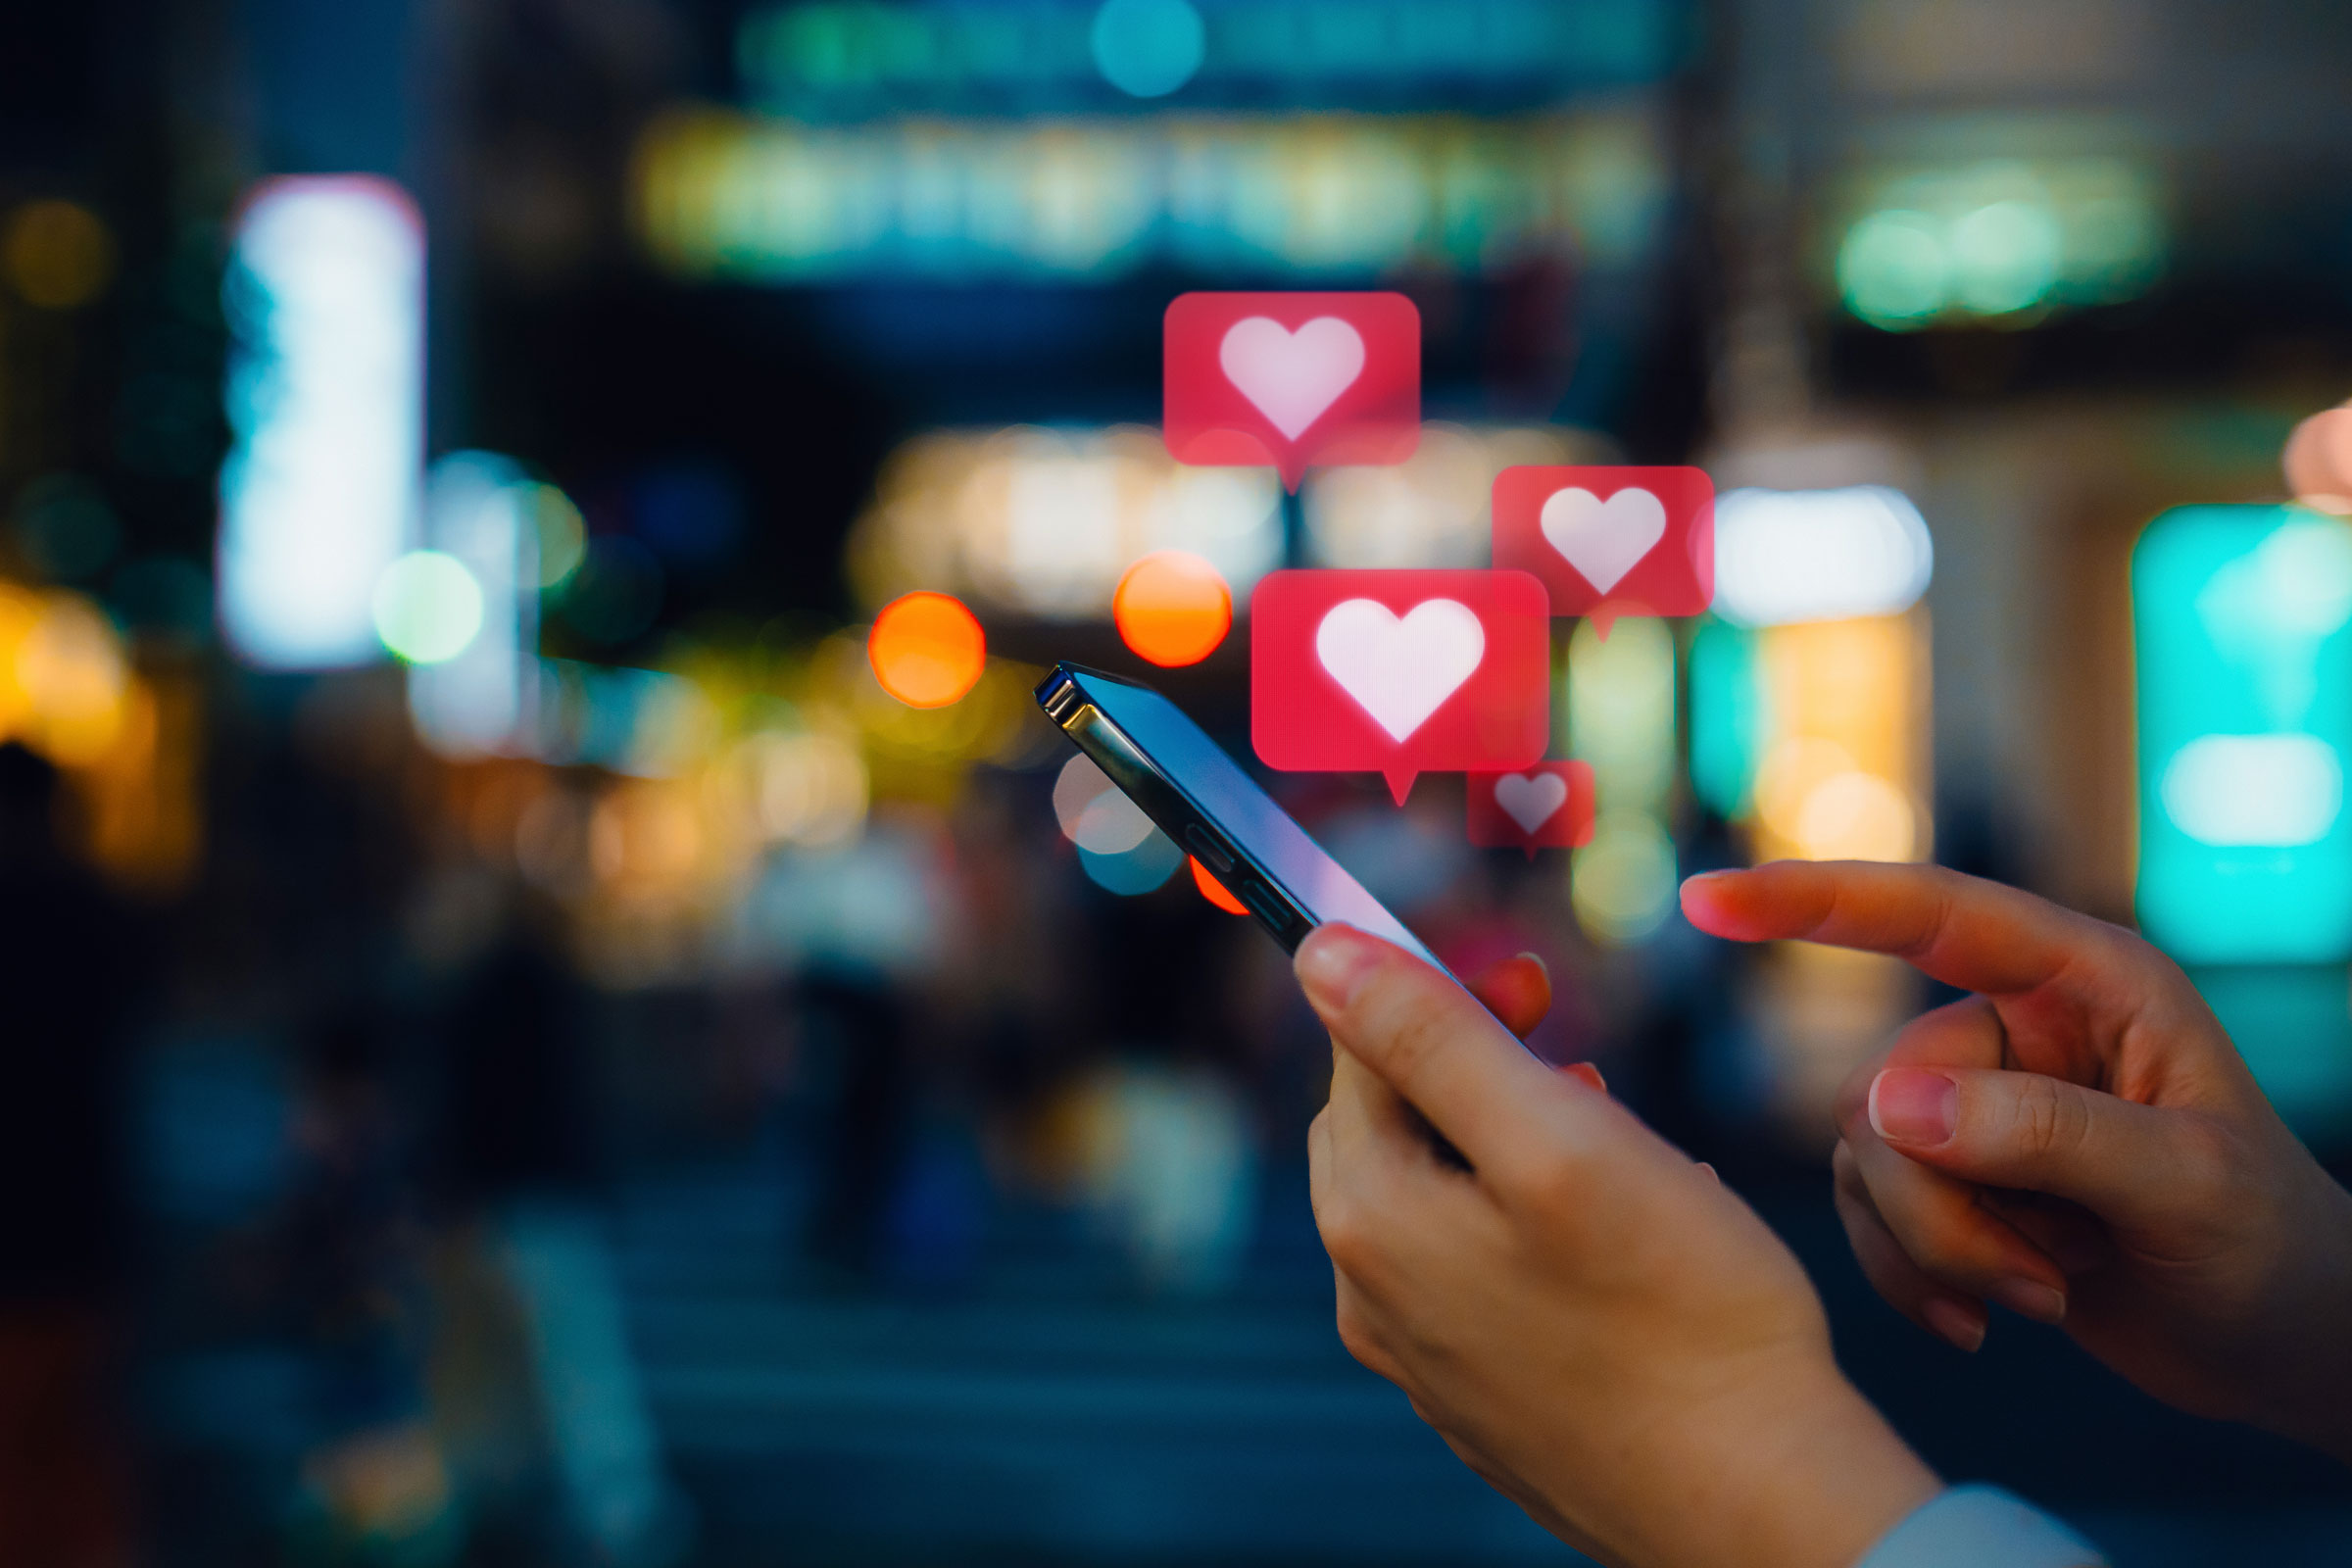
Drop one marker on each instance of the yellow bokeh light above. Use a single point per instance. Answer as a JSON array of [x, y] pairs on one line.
[[805, 789], [1839, 777], [1621, 883], [58, 254], [1856, 816]]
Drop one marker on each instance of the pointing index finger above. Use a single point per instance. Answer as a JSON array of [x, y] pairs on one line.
[[1962, 930]]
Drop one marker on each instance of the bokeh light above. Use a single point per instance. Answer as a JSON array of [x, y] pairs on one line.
[[1118, 847], [1623, 881], [58, 254], [1782, 556], [2004, 257], [562, 535], [1172, 608], [927, 650], [1144, 868], [428, 608], [1147, 48], [806, 789], [1894, 270]]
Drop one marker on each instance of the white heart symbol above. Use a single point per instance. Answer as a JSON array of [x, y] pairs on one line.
[[1531, 800], [1401, 669], [1291, 376], [1603, 540]]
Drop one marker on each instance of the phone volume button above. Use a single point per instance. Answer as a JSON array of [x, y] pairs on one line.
[[1266, 905], [1209, 847]]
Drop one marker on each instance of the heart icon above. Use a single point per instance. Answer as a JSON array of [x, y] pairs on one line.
[[1401, 669], [1603, 540], [1531, 801], [1292, 377]]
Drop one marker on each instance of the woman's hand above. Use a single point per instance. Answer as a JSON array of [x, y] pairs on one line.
[[1592, 1322], [2079, 1142]]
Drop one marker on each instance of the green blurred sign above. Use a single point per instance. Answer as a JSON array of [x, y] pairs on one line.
[[2243, 621]]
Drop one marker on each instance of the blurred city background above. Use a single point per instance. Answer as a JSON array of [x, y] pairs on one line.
[[518, 1050]]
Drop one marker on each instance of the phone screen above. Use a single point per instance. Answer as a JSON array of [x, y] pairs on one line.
[[1201, 798]]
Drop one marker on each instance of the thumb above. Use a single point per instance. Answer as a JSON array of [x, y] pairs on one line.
[[1429, 1039], [2034, 1133]]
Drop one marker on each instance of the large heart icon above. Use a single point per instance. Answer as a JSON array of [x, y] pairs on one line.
[[1603, 540], [1401, 669], [1531, 800], [1291, 376]]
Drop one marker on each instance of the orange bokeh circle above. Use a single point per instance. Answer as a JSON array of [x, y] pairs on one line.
[[927, 650], [1213, 890], [1173, 608]]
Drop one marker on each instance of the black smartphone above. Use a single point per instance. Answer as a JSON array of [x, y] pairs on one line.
[[1201, 798]]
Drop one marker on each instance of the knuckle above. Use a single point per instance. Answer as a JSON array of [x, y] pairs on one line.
[[2049, 1122], [2209, 1164], [1555, 1179], [1417, 1038], [1845, 1174], [1350, 1242], [1357, 1337]]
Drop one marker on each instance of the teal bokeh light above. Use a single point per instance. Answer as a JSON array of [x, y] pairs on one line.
[[1148, 48], [2243, 621], [1895, 269], [1728, 720]]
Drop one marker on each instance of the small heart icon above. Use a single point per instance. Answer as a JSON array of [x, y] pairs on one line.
[[1603, 540], [1292, 377], [1401, 668], [1531, 801]]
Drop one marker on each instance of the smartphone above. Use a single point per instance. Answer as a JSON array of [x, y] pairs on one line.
[[1201, 798]]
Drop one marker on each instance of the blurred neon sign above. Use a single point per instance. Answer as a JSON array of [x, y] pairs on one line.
[[808, 60], [319, 493], [2244, 617], [724, 196]]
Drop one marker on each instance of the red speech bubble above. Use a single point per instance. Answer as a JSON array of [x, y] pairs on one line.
[[1610, 541], [1546, 807], [1399, 672], [1291, 380]]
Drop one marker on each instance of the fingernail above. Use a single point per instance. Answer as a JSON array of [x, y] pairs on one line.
[[1333, 963], [1910, 1106], [1954, 1322], [2030, 1298], [1589, 1073]]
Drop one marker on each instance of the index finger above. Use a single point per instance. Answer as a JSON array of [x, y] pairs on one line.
[[1962, 930]]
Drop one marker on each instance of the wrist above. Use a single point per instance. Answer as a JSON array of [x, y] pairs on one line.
[[2310, 1377], [1827, 1478]]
